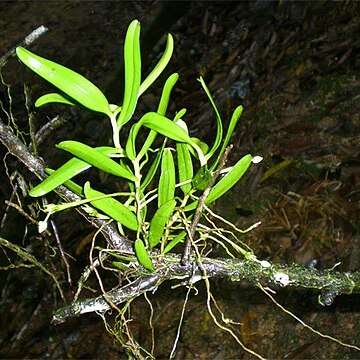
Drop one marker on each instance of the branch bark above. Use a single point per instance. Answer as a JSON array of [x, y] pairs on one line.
[[169, 267]]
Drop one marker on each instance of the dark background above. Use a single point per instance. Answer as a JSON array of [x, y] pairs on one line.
[[295, 68]]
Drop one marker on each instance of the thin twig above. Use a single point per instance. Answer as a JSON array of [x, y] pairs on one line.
[[34, 35], [198, 212], [62, 252], [36, 166]]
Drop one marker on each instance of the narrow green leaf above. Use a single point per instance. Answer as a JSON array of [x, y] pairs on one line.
[[234, 120], [94, 158], [179, 115], [185, 166], [166, 127], [65, 172], [152, 171], [163, 104], [160, 66], [71, 83], [111, 207], [166, 188], [71, 185], [54, 98], [176, 240], [120, 265], [158, 222], [160, 124], [230, 179], [184, 162], [142, 255], [166, 92], [219, 128], [132, 66], [226, 183]]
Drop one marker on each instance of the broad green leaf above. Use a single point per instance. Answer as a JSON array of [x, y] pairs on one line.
[[166, 188], [142, 255], [226, 183], [71, 83], [94, 158], [185, 166], [219, 129], [160, 124], [53, 98], [132, 66], [65, 172], [111, 207], [160, 66], [202, 178], [176, 240], [158, 222], [234, 119], [163, 104]]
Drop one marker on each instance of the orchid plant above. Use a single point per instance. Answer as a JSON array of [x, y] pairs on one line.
[[183, 166]]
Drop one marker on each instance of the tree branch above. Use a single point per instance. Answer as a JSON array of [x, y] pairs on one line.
[[169, 268]]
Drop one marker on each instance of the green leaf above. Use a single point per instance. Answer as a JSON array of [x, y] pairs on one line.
[[234, 119], [163, 104], [65, 172], [219, 129], [111, 207], [77, 189], [142, 255], [152, 171], [94, 158], [165, 95], [160, 66], [179, 115], [166, 188], [230, 179], [202, 178], [158, 222], [54, 98], [176, 240], [160, 124], [226, 183], [132, 65], [71, 83], [185, 166]]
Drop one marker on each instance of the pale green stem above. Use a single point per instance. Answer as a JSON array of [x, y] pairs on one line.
[[116, 131], [202, 158]]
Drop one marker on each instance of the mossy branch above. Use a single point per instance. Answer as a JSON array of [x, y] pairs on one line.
[[169, 268]]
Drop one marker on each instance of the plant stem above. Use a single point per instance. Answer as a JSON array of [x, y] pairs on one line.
[[116, 131], [198, 212]]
